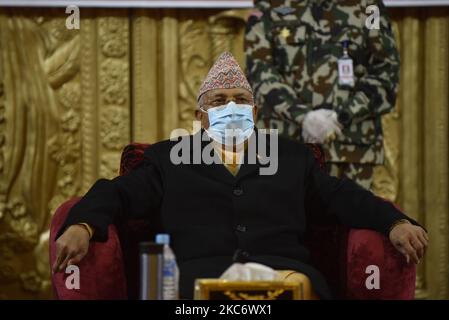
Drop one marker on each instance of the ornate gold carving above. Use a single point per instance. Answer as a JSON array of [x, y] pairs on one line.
[[64, 63], [88, 101], [2, 131], [423, 101], [114, 121], [145, 91], [113, 33], [227, 32], [270, 295], [68, 90], [114, 81], [3, 185], [65, 148], [108, 165], [31, 281], [169, 71], [436, 169], [39, 55], [69, 95], [410, 103], [113, 128], [386, 179], [206, 289], [195, 62]]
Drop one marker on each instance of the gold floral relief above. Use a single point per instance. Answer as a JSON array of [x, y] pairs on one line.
[[40, 141], [114, 90], [44, 106]]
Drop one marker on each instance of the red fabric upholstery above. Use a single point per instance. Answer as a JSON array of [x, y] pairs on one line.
[[397, 278], [318, 154], [102, 272], [132, 157], [342, 256]]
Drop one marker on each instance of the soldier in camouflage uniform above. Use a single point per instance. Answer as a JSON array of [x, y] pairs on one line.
[[292, 50]]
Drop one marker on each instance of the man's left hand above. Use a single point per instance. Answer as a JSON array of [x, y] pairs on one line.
[[410, 240]]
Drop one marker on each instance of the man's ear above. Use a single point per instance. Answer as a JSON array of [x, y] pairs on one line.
[[198, 115], [255, 110]]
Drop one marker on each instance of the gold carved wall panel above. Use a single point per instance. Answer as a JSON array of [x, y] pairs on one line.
[[70, 100], [415, 174], [64, 119]]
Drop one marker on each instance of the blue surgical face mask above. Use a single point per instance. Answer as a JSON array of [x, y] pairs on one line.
[[231, 124]]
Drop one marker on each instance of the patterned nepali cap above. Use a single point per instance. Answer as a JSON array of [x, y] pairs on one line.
[[225, 74]]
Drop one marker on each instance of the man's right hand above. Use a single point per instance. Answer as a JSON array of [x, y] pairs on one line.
[[71, 247]]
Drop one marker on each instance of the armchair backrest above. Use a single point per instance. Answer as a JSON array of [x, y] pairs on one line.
[[132, 157]]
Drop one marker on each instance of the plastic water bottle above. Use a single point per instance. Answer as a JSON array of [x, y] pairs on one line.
[[170, 273]]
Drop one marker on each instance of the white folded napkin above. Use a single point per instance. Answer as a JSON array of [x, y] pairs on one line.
[[249, 272]]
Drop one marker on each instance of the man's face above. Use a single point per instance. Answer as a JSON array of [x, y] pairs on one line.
[[219, 97]]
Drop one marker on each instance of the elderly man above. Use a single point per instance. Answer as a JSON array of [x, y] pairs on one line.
[[218, 213]]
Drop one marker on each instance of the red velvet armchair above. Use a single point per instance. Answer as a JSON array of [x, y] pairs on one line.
[[110, 269]]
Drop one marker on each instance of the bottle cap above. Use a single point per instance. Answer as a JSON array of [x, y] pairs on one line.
[[150, 248], [163, 238]]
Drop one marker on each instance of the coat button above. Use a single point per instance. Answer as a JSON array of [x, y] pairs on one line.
[[240, 228], [240, 255], [238, 191]]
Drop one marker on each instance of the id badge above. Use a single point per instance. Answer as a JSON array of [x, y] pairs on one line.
[[346, 72]]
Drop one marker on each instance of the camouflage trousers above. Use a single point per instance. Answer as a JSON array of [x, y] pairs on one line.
[[362, 174]]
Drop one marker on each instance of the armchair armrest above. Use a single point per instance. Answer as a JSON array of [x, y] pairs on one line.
[[100, 278], [396, 277]]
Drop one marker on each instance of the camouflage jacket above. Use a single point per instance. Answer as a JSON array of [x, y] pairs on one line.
[[292, 52]]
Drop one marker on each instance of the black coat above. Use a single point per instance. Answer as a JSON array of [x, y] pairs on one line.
[[215, 218]]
